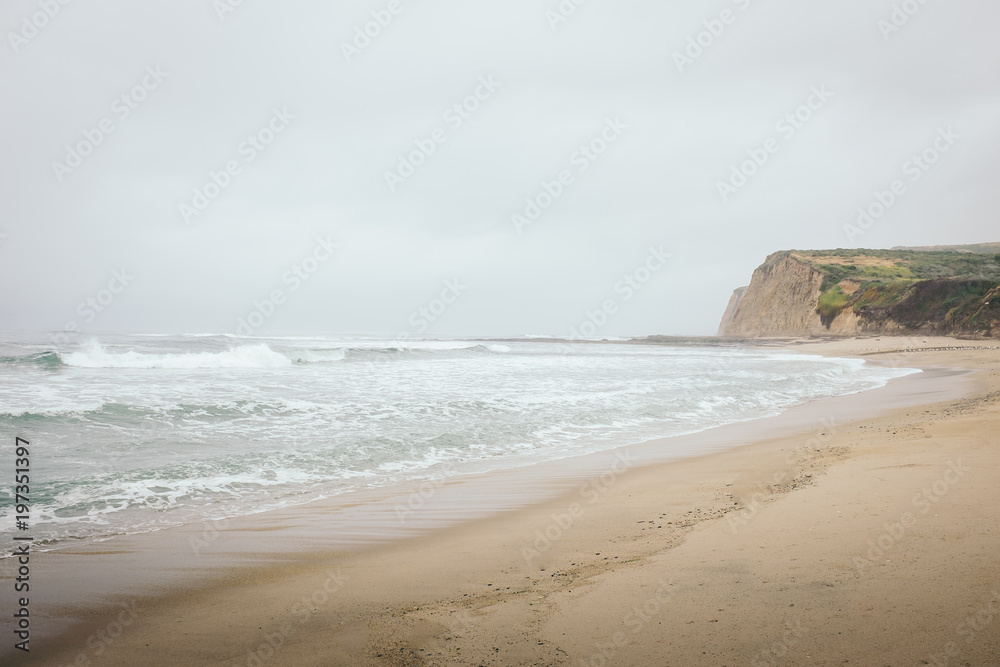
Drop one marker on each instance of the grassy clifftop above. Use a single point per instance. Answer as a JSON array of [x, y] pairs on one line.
[[947, 290], [978, 248]]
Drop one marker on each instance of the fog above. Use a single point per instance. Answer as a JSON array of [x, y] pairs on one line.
[[454, 168]]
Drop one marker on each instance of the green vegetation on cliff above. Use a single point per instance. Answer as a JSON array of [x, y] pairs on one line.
[[832, 302], [946, 291]]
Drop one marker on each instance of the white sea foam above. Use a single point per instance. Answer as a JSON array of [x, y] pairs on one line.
[[94, 355], [306, 417], [408, 344]]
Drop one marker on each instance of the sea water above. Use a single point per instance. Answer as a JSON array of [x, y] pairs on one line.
[[136, 433]]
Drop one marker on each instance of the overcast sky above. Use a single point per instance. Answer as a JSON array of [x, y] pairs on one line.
[[666, 121]]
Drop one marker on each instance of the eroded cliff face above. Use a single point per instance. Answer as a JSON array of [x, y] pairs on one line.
[[734, 301], [781, 301], [870, 292]]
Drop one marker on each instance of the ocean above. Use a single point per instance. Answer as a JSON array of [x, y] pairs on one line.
[[139, 432]]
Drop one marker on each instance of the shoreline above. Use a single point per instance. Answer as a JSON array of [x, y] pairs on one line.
[[298, 560], [439, 473], [449, 476], [556, 471]]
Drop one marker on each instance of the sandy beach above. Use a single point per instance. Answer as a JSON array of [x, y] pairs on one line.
[[834, 540], [500, 334]]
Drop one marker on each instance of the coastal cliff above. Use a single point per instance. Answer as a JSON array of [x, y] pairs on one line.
[[952, 291]]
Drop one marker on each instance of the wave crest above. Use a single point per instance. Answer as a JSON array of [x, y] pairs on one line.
[[94, 355], [42, 359]]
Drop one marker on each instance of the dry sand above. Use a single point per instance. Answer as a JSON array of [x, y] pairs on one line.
[[873, 542]]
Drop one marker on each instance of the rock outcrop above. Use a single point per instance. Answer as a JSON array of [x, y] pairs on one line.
[[844, 293]]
